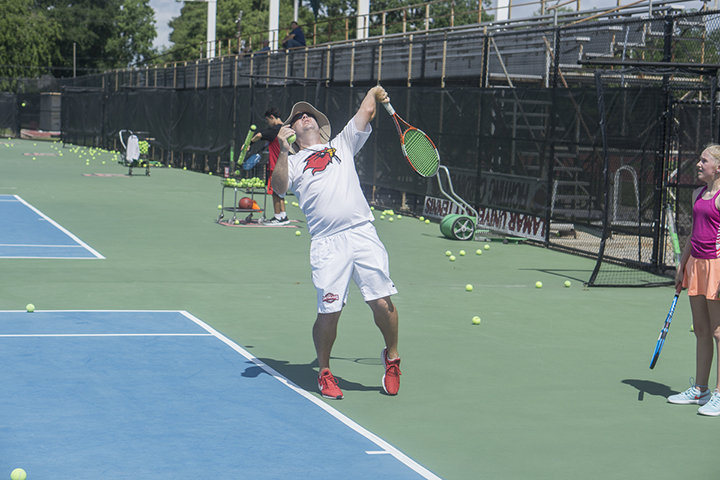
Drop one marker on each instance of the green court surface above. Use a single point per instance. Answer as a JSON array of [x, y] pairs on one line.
[[553, 384]]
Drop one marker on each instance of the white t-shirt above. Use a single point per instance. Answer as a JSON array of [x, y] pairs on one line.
[[326, 184]]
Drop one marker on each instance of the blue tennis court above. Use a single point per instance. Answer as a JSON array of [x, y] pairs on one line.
[[28, 233], [160, 394]]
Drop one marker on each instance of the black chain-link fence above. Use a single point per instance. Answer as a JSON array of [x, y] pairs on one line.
[[530, 158]]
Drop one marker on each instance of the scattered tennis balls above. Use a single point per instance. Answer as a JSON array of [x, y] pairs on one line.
[[476, 320], [448, 253], [382, 217], [219, 207], [538, 284], [291, 139], [18, 473], [297, 234], [468, 287], [427, 221], [422, 219], [567, 283], [399, 217], [462, 253], [478, 251], [30, 307], [237, 222], [452, 258], [372, 208], [487, 247], [390, 219]]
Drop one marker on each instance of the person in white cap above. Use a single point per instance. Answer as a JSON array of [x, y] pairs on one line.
[[321, 173]]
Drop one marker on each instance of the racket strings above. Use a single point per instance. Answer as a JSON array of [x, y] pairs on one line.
[[421, 153]]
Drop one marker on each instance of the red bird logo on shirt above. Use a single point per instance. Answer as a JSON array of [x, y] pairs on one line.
[[319, 161]]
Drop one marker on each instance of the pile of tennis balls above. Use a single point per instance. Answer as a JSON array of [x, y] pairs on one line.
[[254, 182], [144, 146]]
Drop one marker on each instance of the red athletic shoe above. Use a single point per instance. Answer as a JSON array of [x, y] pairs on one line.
[[328, 386], [391, 379]]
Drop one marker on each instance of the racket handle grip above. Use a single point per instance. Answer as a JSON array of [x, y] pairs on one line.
[[389, 108]]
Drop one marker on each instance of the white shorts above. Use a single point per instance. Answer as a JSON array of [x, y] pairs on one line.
[[355, 253]]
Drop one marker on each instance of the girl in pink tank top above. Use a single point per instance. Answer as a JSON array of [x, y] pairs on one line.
[[699, 272]]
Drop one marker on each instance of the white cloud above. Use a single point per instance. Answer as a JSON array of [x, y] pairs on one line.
[[165, 10]]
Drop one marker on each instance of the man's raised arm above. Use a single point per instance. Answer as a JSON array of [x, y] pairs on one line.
[[367, 109]]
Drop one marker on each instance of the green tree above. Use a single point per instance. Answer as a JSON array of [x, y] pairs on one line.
[[135, 33], [189, 30], [106, 33], [27, 40]]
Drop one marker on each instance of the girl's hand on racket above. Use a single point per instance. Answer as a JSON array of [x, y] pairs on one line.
[[679, 278]]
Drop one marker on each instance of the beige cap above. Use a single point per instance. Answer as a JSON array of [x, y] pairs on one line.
[[320, 118]]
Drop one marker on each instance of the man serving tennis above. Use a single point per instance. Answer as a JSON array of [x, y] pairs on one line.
[[321, 173]]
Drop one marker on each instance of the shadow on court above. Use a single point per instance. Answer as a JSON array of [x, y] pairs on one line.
[[305, 375], [652, 388], [577, 275]]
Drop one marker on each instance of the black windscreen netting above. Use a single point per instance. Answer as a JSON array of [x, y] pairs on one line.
[[202, 121], [82, 113], [631, 229], [8, 115]]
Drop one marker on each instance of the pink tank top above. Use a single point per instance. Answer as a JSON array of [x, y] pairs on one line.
[[706, 228]]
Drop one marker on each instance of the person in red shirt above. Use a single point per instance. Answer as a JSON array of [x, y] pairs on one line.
[[272, 117]]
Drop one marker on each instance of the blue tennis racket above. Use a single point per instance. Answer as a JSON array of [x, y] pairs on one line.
[[664, 331]]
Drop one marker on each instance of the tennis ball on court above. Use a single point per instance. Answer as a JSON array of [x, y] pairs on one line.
[[30, 307], [448, 253], [297, 234], [476, 320], [427, 221], [184, 168], [219, 207], [538, 284], [462, 253], [567, 283], [478, 251], [18, 474], [372, 208], [468, 287], [452, 258], [291, 139], [382, 217], [422, 219], [487, 247], [390, 219], [399, 217], [237, 222], [692, 328], [209, 173]]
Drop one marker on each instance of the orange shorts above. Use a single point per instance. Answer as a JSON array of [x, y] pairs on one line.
[[702, 277]]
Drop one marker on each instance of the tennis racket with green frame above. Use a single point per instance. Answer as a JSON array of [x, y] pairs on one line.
[[246, 144], [419, 150]]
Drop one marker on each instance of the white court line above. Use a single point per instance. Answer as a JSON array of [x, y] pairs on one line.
[[88, 247], [38, 335], [386, 447], [38, 246]]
